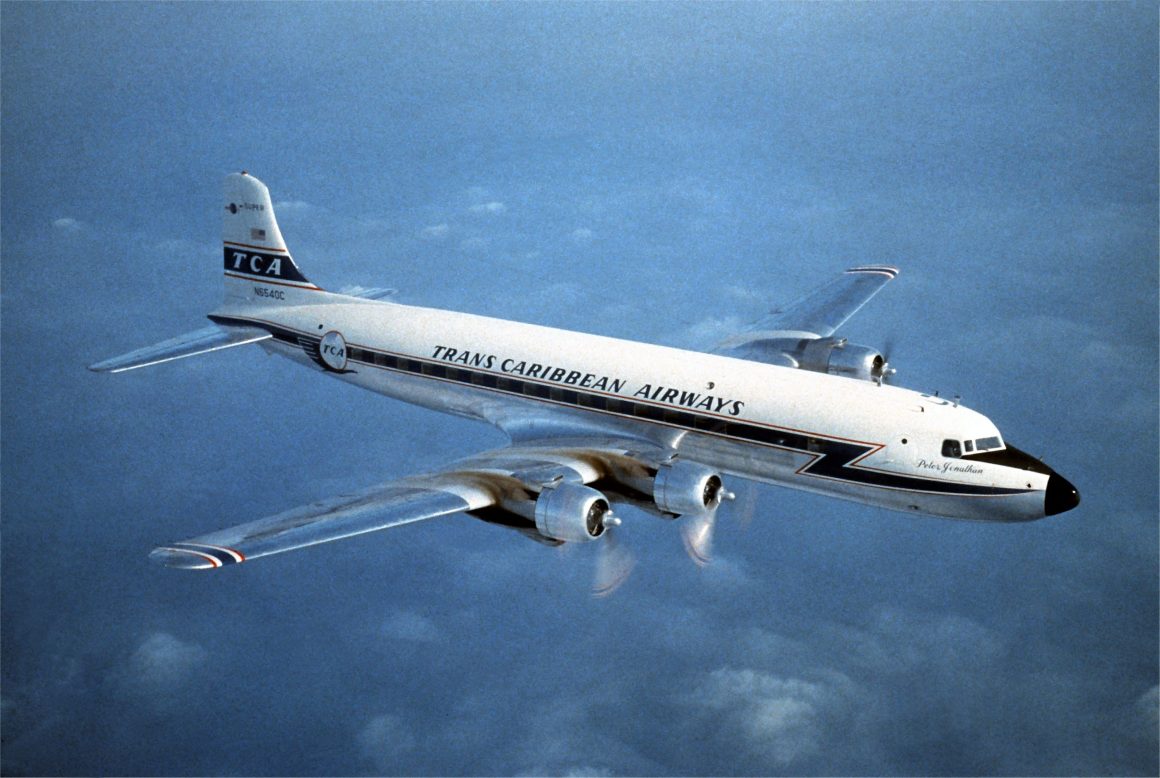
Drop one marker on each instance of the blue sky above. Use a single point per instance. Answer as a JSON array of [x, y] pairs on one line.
[[657, 171]]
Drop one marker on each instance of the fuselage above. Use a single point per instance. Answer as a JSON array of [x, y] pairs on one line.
[[874, 444]]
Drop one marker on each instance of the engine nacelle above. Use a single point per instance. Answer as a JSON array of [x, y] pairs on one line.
[[834, 356], [571, 512], [856, 362], [682, 487]]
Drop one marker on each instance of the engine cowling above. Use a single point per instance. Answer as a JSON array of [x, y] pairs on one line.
[[859, 362], [682, 487], [571, 512], [834, 356]]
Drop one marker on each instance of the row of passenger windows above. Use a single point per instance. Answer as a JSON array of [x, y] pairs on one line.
[[560, 394], [674, 416], [955, 449]]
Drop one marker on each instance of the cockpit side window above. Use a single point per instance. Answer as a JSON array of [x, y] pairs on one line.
[[968, 446], [952, 449]]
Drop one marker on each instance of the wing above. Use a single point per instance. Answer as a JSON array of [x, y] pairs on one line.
[[497, 478], [386, 506], [820, 313], [212, 338]]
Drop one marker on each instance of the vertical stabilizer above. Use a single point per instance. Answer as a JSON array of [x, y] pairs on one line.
[[258, 266]]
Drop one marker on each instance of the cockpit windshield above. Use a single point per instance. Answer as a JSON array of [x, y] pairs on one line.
[[988, 444], [954, 449]]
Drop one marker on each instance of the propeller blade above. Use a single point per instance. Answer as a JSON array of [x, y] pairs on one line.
[[697, 532], [746, 505], [697, 528], [887, 372], [614, 561]]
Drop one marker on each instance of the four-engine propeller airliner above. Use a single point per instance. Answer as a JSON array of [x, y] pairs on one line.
[[595, 421]]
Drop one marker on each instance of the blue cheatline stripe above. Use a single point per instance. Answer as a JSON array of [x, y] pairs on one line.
[[832, 459]]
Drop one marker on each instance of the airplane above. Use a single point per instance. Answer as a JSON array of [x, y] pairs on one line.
[[596, 421]]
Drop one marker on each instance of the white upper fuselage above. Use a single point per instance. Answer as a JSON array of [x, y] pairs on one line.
[[874, 444]]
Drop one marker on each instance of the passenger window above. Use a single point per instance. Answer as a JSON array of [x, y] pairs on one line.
[[951, 449]]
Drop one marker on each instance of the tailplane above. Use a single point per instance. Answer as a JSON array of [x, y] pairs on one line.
[[191, 344], [258, 271], [258, 266]]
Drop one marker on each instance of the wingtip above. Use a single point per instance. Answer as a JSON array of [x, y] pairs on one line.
[[886, 270], [190, 556], [181, 559]]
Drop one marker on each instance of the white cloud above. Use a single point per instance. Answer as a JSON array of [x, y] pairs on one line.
[[1148, 709], [582, 235], [292, 206], [384, 740], [745, 294], [473, 244], [584, 771], [779, 718], [66, 224], [711, 330], [727, 572], [557, 736], [490, 207], [162, 662], [412, 627], [185, 248], [904, 641], [435, 232]]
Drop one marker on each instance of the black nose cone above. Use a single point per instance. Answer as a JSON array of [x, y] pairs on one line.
[[1061, 495]]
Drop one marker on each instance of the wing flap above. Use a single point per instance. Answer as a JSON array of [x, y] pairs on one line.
[[203, 341]]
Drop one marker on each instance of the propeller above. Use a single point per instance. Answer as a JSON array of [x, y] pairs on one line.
[[697, 528], [614, 561], [885, 373]]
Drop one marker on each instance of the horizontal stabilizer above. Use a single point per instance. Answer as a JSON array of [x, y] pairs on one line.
[[203, 341], [369, 293]]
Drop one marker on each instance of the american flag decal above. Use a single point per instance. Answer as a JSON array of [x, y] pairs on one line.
[[257, 234]]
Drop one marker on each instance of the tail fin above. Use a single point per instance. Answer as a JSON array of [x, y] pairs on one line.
[[259, 270], [258, 266]]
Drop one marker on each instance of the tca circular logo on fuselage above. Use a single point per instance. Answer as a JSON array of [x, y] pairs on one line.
[[332, 350]]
